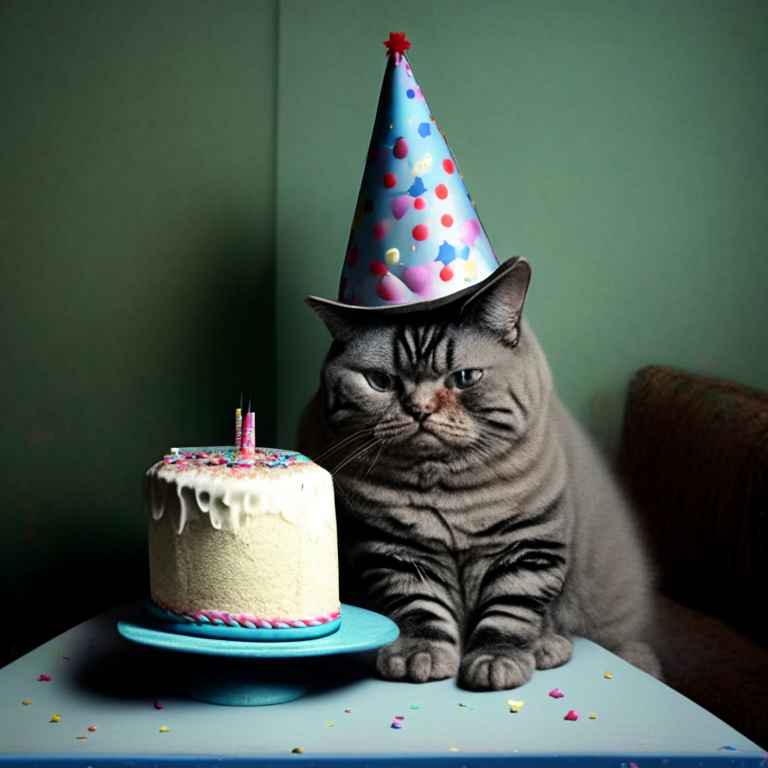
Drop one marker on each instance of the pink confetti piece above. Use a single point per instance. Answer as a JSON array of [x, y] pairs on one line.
[[573, 715], [44, 678], [158, 705], [556, 693], [397, 722]]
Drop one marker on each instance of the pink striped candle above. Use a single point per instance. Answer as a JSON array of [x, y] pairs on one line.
[[249, 435]]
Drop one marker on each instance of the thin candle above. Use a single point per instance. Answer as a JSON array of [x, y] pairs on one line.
[[239, 424], [249, 434]]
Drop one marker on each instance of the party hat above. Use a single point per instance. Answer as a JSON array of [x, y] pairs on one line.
[[416, 236]]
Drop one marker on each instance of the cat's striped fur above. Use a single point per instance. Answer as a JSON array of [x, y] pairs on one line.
[[476, 514]]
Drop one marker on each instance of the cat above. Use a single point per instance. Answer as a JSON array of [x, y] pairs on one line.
[[472, 509]]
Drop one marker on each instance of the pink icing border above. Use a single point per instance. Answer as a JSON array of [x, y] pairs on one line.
[[249, 621]]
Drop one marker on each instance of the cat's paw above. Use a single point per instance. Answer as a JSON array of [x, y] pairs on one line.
[[552, 651], [496, 670], [413, 660]]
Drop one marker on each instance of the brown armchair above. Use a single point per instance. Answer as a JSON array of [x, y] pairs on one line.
[[694, 458]]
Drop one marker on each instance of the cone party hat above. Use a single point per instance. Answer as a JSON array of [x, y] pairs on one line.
[[415, 236]]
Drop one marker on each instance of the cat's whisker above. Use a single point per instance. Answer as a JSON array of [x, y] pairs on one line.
[[365, 448], [348, 439], [376, 458]]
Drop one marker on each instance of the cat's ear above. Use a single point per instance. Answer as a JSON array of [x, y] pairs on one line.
[[343, 324], [498, 306]]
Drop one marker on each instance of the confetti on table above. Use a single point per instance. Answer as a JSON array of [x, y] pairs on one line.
[[728, 749], [397, 722], [297, 751], [453, 749], [164, 729], [607, 675], [92, 728], [593, 717], [414, 706], [330, 725], [55, 718], [556, 693], [81, 737], [572, 715], [26, 703], [158, 705], [44, 679], [514, 706], [348, 711]]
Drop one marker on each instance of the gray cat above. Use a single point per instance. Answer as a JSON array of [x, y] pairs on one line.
[[473, 510]]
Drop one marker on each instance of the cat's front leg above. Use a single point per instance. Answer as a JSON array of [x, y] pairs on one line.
[[421, 595], [509, 638]]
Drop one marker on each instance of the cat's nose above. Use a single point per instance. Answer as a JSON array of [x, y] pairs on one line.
[[420, 405]]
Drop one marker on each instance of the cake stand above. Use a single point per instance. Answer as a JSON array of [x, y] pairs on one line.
[[249, 673]]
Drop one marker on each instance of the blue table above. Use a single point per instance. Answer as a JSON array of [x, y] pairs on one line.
[[99, 678]]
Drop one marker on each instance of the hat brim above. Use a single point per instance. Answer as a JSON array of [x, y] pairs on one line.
[[430, 304]]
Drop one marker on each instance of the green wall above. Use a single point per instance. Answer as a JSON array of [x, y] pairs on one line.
[[176, 176], [619, 146], [137, 260]]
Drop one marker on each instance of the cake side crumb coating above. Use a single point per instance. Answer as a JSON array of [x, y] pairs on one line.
[[254, 540]]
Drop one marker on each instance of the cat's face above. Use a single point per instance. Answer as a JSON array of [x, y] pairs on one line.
[[445, 386]]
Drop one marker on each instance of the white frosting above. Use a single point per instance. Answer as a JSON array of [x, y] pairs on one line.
[[302, 494]]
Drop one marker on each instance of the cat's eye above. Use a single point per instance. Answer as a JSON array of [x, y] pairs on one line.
[[467, 378], [379, 380]]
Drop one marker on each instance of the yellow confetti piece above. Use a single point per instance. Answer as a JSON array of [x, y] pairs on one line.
[[26, 703], [514, 706], [298, 750], [55, 718], [164, 729], [593, 717], [330, 725], [81, 737], [453, 749], [608, 675]]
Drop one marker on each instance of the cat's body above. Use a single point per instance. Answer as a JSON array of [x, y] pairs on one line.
[[475, 512]]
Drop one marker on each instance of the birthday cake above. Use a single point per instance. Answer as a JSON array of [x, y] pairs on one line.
[[243, 540]]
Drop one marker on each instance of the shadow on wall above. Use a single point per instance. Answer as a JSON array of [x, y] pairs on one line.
[[191, 333], [606, 418]]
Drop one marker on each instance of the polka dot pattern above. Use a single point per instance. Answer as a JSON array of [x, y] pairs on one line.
[[377, 268], [414, 227]]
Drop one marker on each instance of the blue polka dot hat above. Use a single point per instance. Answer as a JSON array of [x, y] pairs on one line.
[[416, 239]]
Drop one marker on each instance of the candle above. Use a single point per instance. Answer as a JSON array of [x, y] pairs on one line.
[[238, 427], [249, 434]]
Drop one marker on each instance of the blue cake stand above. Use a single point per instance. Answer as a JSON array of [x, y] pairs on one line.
[[251, 673]]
